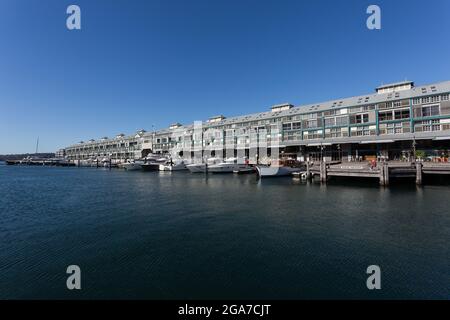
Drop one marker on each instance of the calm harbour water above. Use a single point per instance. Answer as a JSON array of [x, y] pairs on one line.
[[178, 235]]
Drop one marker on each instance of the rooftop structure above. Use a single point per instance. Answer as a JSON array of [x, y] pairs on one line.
[[398, 86]]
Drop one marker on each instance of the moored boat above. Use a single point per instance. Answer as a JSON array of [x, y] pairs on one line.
[[202, 167], [276, 171], [152, 162], [280, 167], [132, 165], [173, 166], [227, 166]]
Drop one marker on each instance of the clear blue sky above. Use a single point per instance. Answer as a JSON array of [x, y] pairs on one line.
[[136, 64]]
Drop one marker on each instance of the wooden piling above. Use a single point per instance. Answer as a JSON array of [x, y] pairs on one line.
[[386, 174], [382, 175], [323, 172], [308, 171], [418, 173]]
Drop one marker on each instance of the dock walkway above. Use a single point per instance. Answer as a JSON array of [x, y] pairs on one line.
[[383, 171]]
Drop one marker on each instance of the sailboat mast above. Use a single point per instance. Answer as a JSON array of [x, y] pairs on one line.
[[37, 145]]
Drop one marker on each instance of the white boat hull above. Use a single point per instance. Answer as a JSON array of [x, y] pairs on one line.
[[276, 171], [197, 168], [172, 167], [131, 166], [226, 167]]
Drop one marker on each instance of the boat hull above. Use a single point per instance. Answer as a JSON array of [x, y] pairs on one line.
[[226, 168], [131, 166], [276, 171], [196, 168], [245, 170], [174, 167], [150, 166]]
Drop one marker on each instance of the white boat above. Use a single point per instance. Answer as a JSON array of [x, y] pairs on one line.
[[173, 166], [201, 167], [106, 162], [132, 165], [153, 161], [276, 171], [228, 166], [196, 167]]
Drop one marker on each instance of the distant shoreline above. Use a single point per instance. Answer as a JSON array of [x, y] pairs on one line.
[[20, 156]]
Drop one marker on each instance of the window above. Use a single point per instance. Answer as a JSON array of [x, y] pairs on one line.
[[312, 123], [296, 125], [336, 132], [426, 100], [287, 126], [309, 135], [427, 126], [430, 111], [329, 122], [444, 97], [363, 131], [355, 118], [341, 121], [362, 118], [434, 99], [416, 101], [384, 116], [397, 104], [395, 128], [401, 114], [292, 136]]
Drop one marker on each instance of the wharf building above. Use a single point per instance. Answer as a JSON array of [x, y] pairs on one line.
[[392, 123]]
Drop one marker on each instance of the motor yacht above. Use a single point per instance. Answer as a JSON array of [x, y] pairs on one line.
[[132, 165], [153, 161], [227, 166], [202, 167], [173, 166]]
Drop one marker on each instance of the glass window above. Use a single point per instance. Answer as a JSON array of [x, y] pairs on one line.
[[434, 99], [402, 114], [429, 111], [330, 122], [341, 121], [362, 118], [312, 124], [383, 116]]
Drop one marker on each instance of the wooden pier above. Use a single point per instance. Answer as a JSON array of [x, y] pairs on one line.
[[383, 171]]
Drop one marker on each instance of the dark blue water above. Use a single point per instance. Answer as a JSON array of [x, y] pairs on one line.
[[180, 235]]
